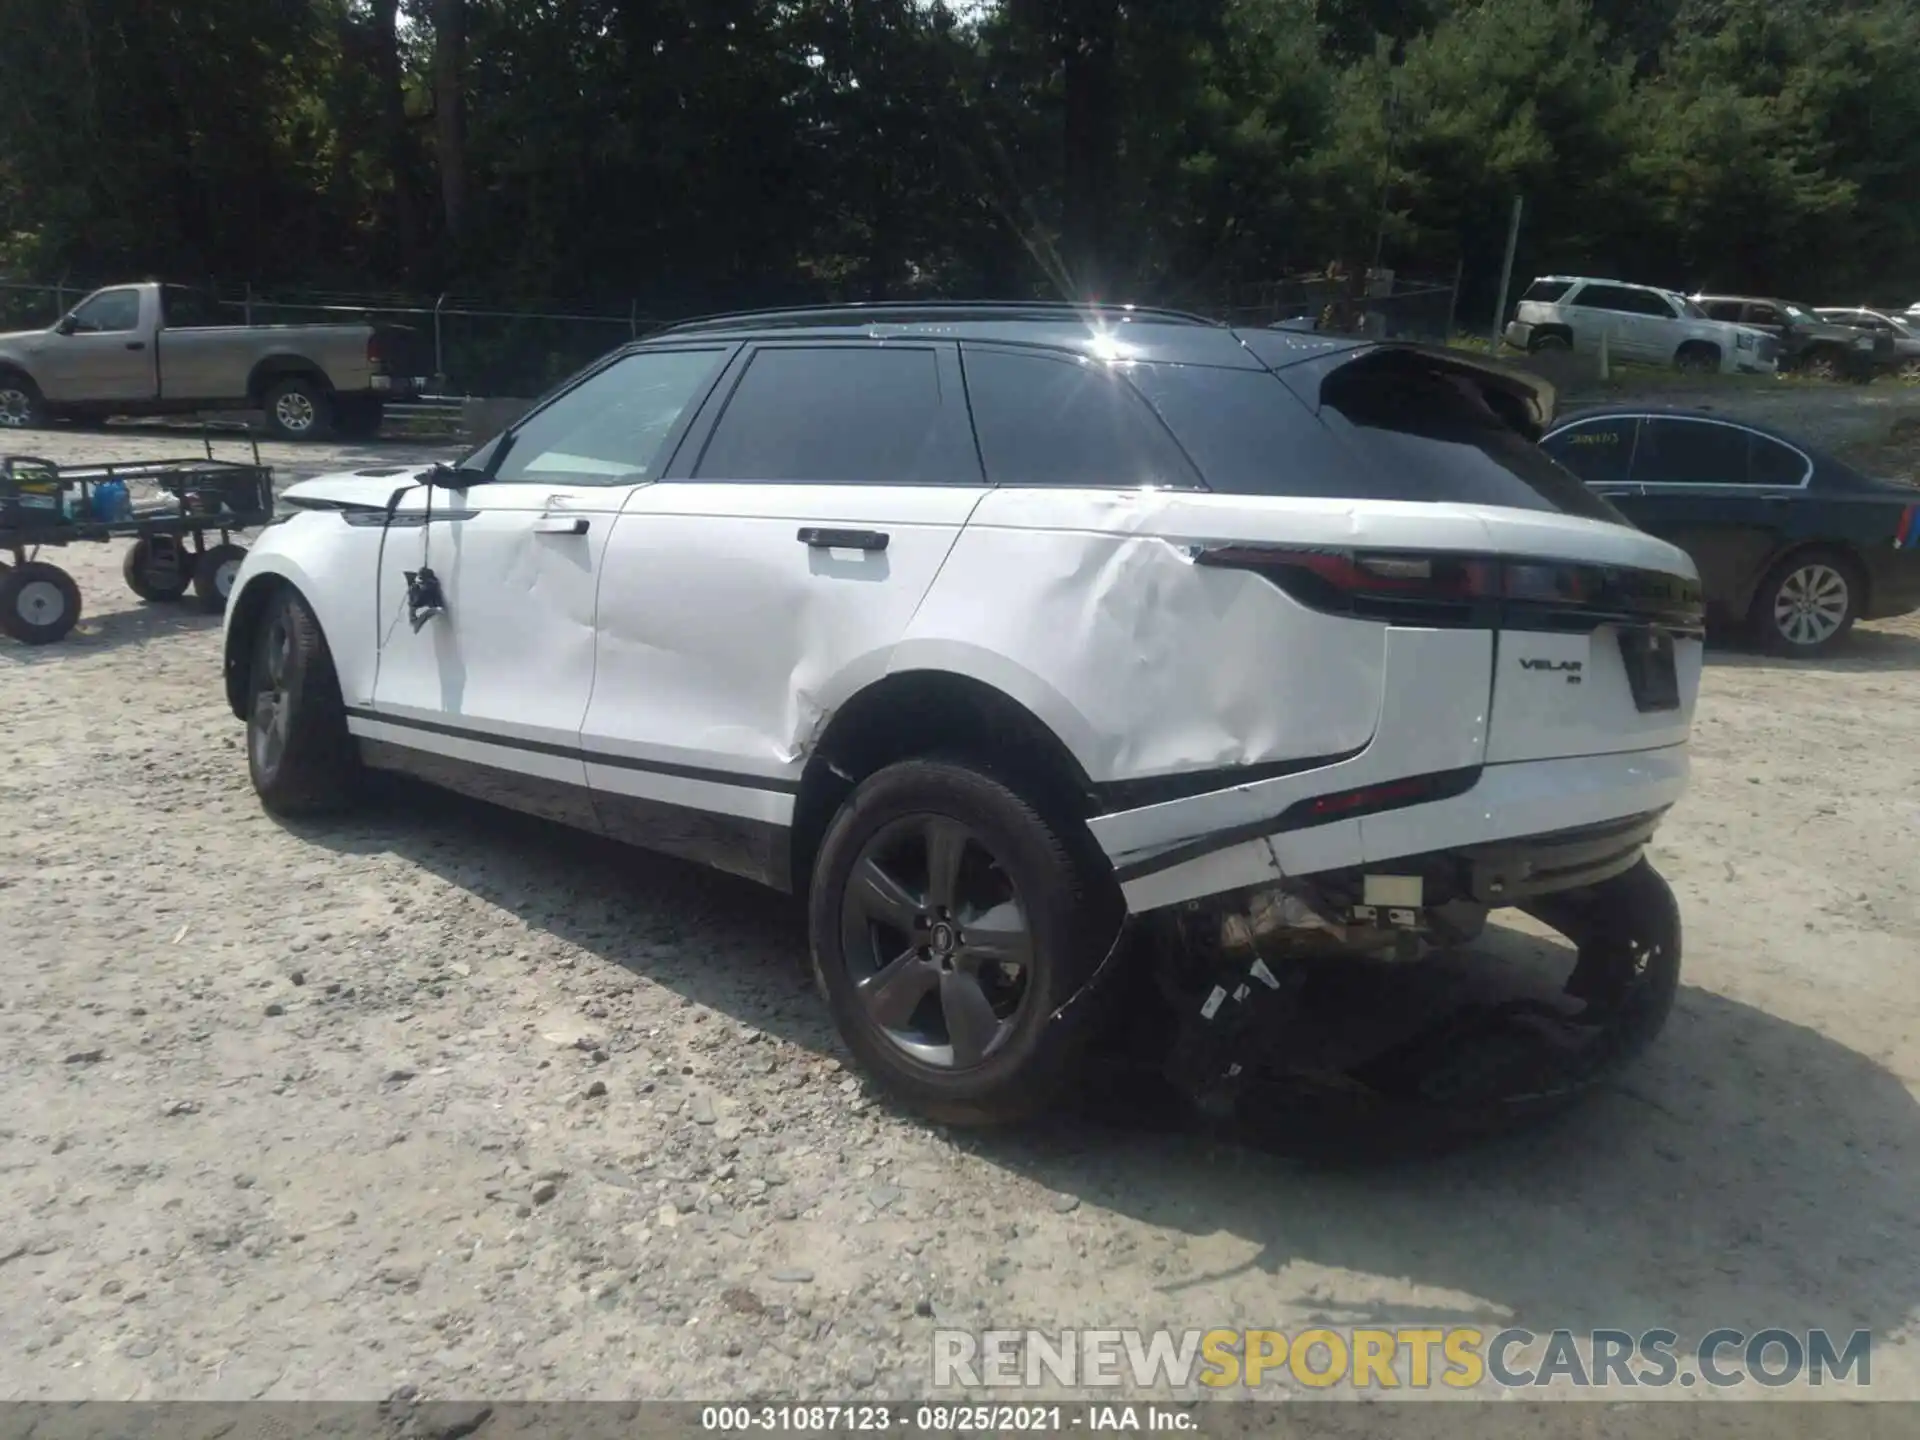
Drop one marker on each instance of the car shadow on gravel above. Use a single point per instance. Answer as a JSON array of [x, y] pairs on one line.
[[1745, 1171], [1863, 652], [114, 630]]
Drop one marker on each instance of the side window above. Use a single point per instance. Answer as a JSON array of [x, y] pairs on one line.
[[1771, 463], [1059, 420], [1600, 452], [1623, 299], [1722, 310], [108, 313], [611, 428], [1690, 452], [872, 414], [1764, 315]]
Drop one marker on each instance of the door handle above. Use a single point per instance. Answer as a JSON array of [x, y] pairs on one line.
[[136, 344], [560, 525], [815, 538]]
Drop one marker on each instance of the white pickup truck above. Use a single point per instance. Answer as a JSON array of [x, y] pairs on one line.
[[154, 349]]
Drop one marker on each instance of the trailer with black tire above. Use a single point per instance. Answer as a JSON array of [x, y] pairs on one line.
[[43, 504]]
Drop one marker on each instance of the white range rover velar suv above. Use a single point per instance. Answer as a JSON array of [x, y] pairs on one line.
[[1089, 672]]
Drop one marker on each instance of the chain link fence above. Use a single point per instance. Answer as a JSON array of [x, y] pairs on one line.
[[482, 349], [475, 349], [1380, 304]]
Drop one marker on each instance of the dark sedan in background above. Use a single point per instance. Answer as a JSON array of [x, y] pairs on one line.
[[1792, 545]]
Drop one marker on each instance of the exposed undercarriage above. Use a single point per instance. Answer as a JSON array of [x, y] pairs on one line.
[[1348, 985]]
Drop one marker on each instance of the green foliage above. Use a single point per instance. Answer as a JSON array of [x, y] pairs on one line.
[[696, 154]]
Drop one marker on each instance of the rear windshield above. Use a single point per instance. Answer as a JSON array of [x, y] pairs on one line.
[[1439, 436], [1547, 291]]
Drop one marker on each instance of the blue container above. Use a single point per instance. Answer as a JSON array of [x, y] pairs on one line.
[[111, 502]]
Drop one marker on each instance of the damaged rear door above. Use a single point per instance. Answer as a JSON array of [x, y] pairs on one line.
[[765, 581]]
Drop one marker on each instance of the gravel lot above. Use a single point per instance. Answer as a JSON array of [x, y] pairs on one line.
[[447, 1102]]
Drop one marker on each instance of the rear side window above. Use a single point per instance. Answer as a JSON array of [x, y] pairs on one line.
[[1059, 420], [611, 428], [1600, 452], [1771, 463], [1547, 291], [1690, 452], [1622, 299], [1432, 435], [836, 414]]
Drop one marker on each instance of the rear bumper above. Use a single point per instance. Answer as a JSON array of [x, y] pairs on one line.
[[1522, 801], [398, 384]]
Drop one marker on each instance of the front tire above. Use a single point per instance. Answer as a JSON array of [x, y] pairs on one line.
[[299, 408], [21, 407], [1822, 364], [299, 755], [950, 919], [39, 603], [1807, 604], [1697, 359]]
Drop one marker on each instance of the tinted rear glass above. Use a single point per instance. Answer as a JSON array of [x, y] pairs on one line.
[[837, 413], [1432, 434], [1547, 291], [1044, 419]]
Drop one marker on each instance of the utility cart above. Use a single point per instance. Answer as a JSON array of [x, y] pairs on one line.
[[168, 508]]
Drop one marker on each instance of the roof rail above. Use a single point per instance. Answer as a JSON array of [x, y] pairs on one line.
[[922, 311]]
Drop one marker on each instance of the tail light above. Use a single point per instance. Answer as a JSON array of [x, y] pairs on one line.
[[376, 352], [1472, 591]]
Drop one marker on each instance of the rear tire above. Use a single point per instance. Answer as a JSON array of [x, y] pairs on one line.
[[214, 575], [1807, 604], [1542, 343], [146, 578], [978, 918], [39, 603], [299, 755], [299, 408]]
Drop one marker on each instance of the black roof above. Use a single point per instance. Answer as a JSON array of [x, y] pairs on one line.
[[1108, 331]]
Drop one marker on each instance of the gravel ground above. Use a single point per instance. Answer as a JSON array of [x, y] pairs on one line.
[[448, 1103]]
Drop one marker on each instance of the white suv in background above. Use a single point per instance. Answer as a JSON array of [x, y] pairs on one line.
[[1006, 633], [1639, 322]]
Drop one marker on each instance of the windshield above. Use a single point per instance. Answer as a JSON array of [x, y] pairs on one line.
[[1689, 309], [1800, 313]]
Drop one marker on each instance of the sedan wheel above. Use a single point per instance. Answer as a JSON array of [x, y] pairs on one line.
[[1806, 605]]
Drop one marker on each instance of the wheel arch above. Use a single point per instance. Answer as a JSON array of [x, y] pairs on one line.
[[272, 368], [244, 611], [1553, 328], [1700, 344], [924, 711], [1845, 550]]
